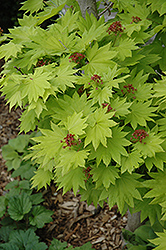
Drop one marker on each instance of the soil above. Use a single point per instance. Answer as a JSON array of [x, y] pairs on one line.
[[73, 220]]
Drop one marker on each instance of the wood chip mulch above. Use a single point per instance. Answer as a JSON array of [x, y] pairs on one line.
[[73, 220], [77, 223], [9, 124]]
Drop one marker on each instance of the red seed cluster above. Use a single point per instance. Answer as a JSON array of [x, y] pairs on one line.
[[81, 90], [136, 19], [139, 135], [43, 62], [76, 57], [128, 89], [40, 63], [109, 108], [1, 31], [69, 140], [115, 27], [97, 80], [87, 173]]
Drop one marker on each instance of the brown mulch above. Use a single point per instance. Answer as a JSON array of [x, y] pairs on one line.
[[73, 220], [9, 124]]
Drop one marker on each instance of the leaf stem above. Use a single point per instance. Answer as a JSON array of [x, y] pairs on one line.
[[109, 6], [62, 44]]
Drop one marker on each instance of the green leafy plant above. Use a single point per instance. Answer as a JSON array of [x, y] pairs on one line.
[[141, 238], [20, 206], [57, 245], [21, 211], [96, 92]]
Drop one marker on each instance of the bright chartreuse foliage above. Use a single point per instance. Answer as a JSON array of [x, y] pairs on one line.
[[96, 92]]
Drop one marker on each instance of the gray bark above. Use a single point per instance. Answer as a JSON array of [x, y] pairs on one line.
[[133, 221], [89, 6]]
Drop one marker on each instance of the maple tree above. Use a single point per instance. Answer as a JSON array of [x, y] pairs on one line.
[[96, 92]]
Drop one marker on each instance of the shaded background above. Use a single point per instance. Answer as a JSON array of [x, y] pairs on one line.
[[9, 12]]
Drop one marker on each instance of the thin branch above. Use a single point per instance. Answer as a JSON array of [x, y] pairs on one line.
[[109, 6], [62, 44]]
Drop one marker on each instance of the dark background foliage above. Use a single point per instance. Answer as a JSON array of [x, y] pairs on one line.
[[9, 12]]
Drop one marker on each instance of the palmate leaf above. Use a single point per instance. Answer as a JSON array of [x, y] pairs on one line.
[[62, 108], [160, 241], [90, 29], [19, 206], [111, 77], [36, 198], [158, 161], [159, 87], [94, 33], [140, 11], [11, 89], [105, 175], [114, 150], [137, 78], [64, 76], [91, 194], [26, 240], [136, 57], [19, 143], [99, 59], [37, 106], [28, 121], [162, 125], [152, 211], [41, 178], [27, 21], [130, 162], [49, 145], [40, 216], [140, 113], [124, 48], [48, 12], [145, 63], [121, 107], [10, 49], [160, 92], [124, 191], [76, 124], [21, 35], [143, 92], [150, 145], [32, 5], [2, 206], [44, 46], [122, 4], [100, 95], [99, 128], [71, 159], [69, 20], [75, 179], [61, 35], [56, 244], [35, 84], [160, 6], [157, 192], [89, 20]]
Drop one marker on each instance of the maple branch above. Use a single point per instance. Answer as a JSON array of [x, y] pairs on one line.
[[62, 44], [19, 70], [109, 6]]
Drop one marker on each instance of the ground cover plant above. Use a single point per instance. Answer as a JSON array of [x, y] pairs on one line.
[[21, 208], [96, 92]]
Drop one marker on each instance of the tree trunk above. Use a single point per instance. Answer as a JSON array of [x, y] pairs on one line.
[[133, 221], [89, 6]]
